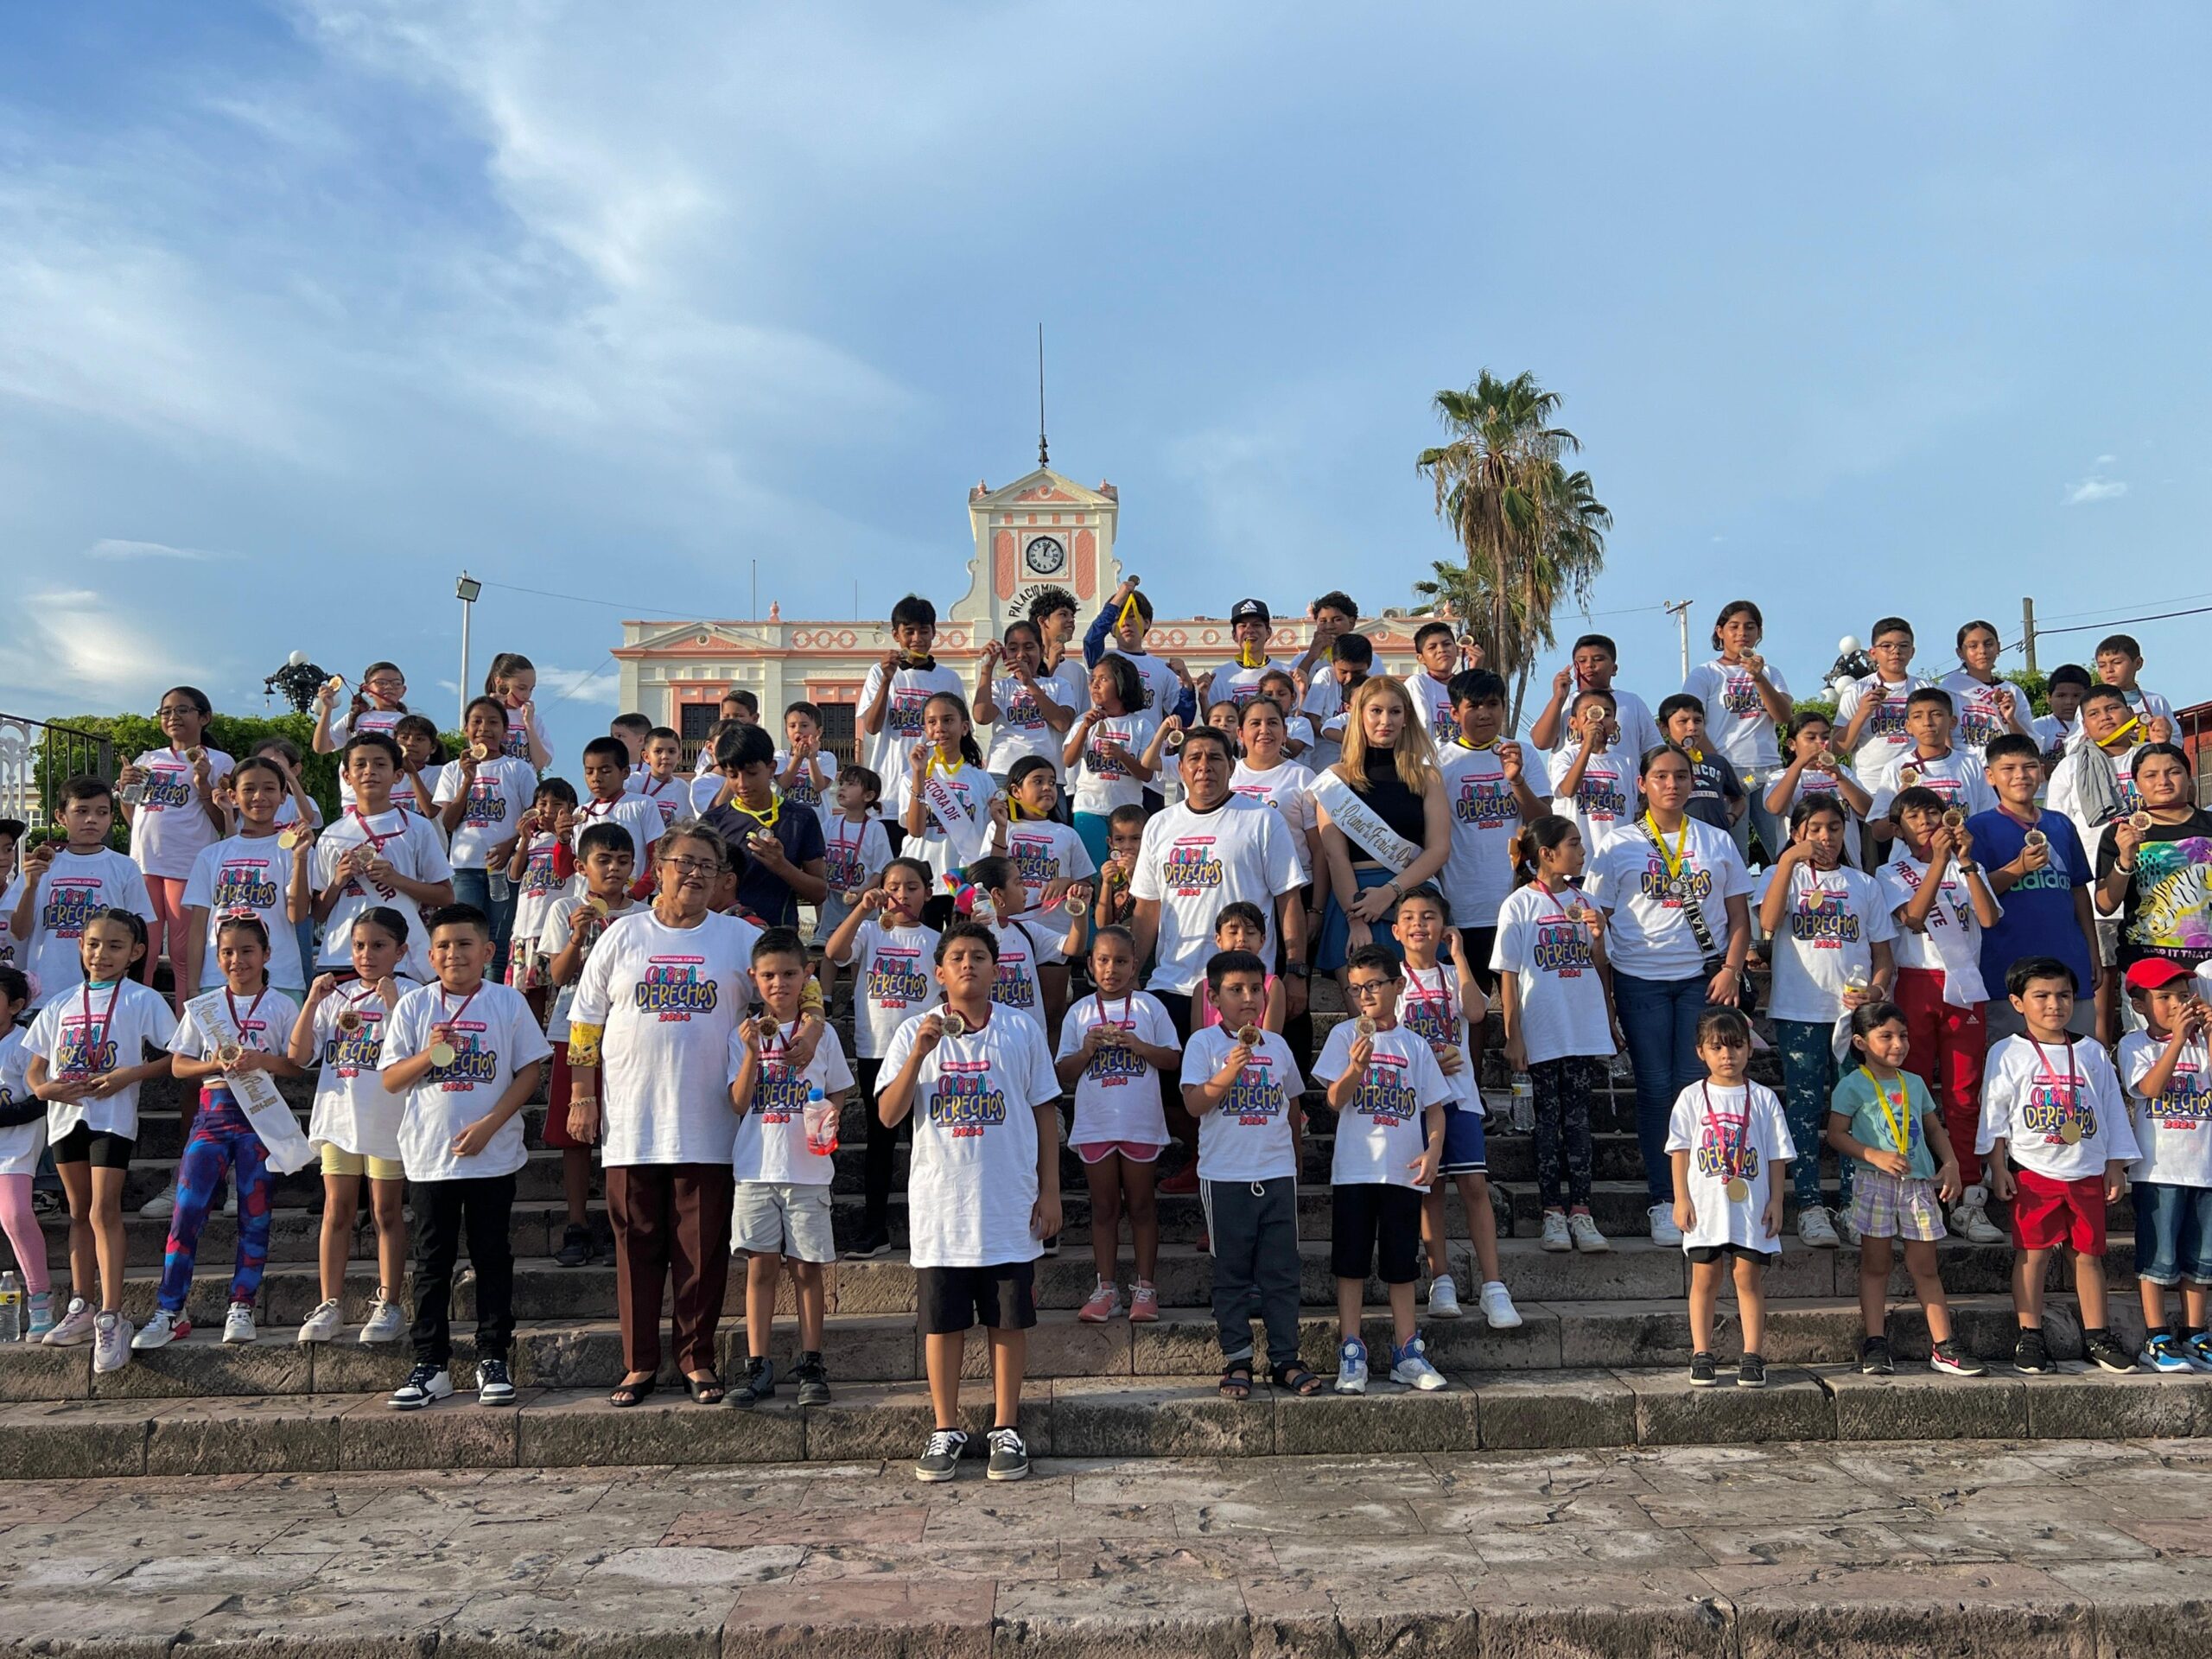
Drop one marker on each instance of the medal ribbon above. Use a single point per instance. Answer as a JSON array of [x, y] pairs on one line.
[[2070, 1107], [238, 1021], [2133, 722], [96, 1033], [1732, 1150], [449, 1021], [1900, 1125], [1673, 861]]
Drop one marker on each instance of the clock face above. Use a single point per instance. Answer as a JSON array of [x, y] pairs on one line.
[[1045, 557]]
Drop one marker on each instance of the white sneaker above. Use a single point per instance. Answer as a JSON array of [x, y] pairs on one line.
[[1847, 1229], [387, 1322], [238, 1324], [1443, 1298], [163, 1205], [231, 1203], [1814, 1228], [1409, 1365], [162, 1330], [1663, 1230], [323, 1324], [1970, 1218], [1498, 1306], [1557, 1236], [1587, 1239], [110, 1343], [425, 1385], [1352, 1367], [74, 1329]]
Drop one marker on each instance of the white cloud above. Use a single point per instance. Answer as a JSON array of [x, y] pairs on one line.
[[585, 686], [110, 548], [2102, 462], [2095, 489], [71, 652]]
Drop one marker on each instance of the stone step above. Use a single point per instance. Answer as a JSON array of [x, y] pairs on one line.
[[884, 1348], [1084, 1418]]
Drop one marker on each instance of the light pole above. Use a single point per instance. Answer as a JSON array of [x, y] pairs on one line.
[[465, 591], [1680, 610]]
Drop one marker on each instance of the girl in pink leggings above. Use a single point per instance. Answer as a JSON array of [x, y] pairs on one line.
[[22, 1137]]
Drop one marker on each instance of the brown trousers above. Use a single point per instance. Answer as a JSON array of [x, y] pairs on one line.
[[670, 1219]]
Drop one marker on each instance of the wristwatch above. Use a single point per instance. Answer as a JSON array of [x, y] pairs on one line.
[[1298, 970], [1969, 868]]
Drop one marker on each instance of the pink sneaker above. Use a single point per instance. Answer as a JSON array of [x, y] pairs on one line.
[[1105, 1302], [1144, 1304]]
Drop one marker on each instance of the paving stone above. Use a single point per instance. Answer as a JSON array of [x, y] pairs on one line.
[[893, 1423], [1057, 1347], [670, 1621], [66, 1439], [204, 1364], [2078, 1403], [1668, 1411], [921, 1619], [275, 1434], [571, 1429], [1201, 1617], [31, 1370], [1999, 1609], [1444, 1421], [1629, 1333], [135, 1627], [1567, 1408], [1113, 1419], [1926, 1405], [1596, 1613], [2145, 1610], [457, 1434]]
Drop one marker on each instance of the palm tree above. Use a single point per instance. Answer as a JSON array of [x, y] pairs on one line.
[[1534, 532]]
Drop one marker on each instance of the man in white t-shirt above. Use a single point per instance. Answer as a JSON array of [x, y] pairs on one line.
[[1249, 625]]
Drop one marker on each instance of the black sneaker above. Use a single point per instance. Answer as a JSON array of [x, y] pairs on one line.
[[2106, 1354], [940, 1459], [1009, 1458], [1874, 1357], [425, 1385], [1952, 1360], [1704, 1373], [759, 1384], [874, 1242], [1052, 1248], [575, 1246], [1750, 1372], [495, 1387], [813, 1381], [2029, 1356]]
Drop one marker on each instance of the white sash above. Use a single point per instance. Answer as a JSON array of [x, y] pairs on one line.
[[1362, 823], [255, 1092], [964, 833], [1962, 982]]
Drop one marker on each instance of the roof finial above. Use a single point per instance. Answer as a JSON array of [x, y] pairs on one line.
[[1044, 456]]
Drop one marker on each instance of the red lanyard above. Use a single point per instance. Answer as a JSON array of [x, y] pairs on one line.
[[1442, 993], [1733, 1151], [1559, 911], [238, 1023], [449, 1021], [659, 785], [95, 1043], [2073, 1079], [1125, 1022], [375, 841]]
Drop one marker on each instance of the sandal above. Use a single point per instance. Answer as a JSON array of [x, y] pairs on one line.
[[1298, 1381], [707, 1390], [1236, 1382], [631, 1394]]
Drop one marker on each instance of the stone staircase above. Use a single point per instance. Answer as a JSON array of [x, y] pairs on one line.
[[1598, 1360]]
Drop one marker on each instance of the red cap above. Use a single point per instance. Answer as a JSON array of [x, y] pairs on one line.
[[2152, 972]]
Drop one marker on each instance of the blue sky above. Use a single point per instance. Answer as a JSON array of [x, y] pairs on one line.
[[303, 308]]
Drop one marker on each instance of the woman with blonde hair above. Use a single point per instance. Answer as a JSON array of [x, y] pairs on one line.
[[1385, 825]]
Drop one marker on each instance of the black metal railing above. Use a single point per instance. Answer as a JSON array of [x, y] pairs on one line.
[[37, 757]]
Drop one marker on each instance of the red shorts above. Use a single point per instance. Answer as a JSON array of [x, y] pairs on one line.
[[2048, 1213], [556, 1102]]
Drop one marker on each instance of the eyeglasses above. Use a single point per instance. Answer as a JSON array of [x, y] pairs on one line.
[[384, 684], [179, 709], [1894, 644], [1368, 988], [691, 865]]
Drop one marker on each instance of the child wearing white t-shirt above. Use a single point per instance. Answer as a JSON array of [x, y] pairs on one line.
[[66, 883], [1049, 855], [1730, 1145], [2167, 1069], [539, 868], [1241, 1083], [1593, 781], [1113, 1047], [786, 1139]]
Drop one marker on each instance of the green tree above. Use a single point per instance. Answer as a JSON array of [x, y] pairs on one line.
[[1532, 532]]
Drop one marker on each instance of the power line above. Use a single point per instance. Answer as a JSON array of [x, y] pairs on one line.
[[605, 604], [2090, 627]]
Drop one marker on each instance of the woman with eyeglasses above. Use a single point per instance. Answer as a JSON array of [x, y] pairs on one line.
[[649, 1067], [379, 704]]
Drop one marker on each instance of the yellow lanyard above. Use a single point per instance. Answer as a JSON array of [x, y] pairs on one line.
[[1674, 860], [768, 824], [2106, 742], [1900, 1123]]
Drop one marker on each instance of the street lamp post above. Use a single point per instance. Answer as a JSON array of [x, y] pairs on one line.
[[465, 591]]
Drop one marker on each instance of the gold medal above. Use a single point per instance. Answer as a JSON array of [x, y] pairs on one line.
[[954, 1025], [349, 1021], [2036, 838], [1247, 1035], [1908, 776], [1363, 1026], [441, 1054], [2070, 1131], [480, 752], [290, 836], [1738, 1190], [2139, 822], [228, 1055], [195, 755]]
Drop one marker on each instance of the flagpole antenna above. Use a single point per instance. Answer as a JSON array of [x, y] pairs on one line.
[[1044, 456]]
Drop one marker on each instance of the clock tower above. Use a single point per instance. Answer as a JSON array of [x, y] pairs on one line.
[[1043, 530]]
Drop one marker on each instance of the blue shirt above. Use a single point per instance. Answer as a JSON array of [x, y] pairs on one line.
[[2038, 918]]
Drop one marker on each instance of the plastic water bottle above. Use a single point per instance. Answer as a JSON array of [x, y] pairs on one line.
[[821, 1119], [11, 1307]]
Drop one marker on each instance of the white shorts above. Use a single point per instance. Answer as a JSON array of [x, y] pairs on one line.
[[781, 1218]]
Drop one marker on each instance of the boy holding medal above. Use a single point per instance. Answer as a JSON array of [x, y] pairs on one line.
[[1885, 1120], [1730, 1143], [2053, 1106]]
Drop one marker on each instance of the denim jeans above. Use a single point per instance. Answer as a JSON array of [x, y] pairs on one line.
[[1808, 1079], [1773, 832], [1659, 1018], [474, 887]]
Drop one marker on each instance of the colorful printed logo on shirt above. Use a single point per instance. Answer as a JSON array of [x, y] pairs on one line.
[[84, 1049], [842, 866], [1886, 724], [517, 747], [1562, 948], [246, 885], [361, 1054], [539, 881], [1713, 1155], [1690, 882], [1115, 1065], [676, 987], [894, 978], [166, 789], [1430, 1019], [1486, 803], [780, 1096], [1014, 987], [806, 791], [903, 719], [1021, 711], [1978, 721], [1823, 919], [1191, 866], [2187, 1104], [1102, 764], [488, 802], [1255, 1100], [1384, 1097], [1600, 798], [2172, 901], [475, 1063], [964, 1101], [1034, 857], [1739, 695], [71, 903], [2049, 1105]]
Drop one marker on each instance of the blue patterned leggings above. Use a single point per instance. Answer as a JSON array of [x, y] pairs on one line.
[[1808, 1079], [222, 1140]]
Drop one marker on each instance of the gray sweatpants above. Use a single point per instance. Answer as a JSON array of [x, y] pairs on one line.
[[1253, 1229]]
